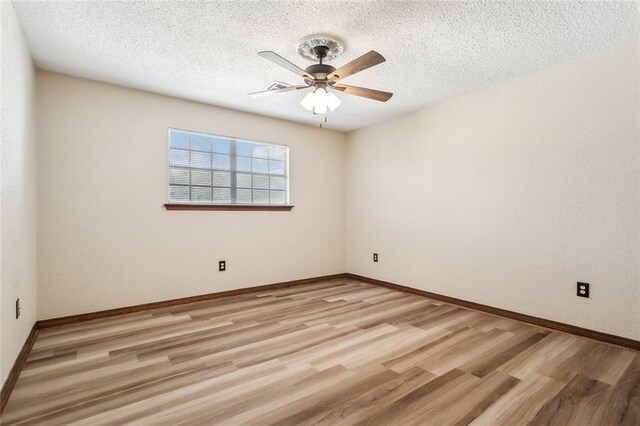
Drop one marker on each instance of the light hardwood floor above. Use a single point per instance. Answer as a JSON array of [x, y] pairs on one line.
[[337, 352]]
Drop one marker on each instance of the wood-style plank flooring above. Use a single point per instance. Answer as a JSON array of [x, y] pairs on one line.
[[337, 352]]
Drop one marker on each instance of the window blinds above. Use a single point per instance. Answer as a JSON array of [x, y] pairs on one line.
[[209, 169]]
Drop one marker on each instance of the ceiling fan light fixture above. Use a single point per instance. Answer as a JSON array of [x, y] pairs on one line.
[[319, 101]]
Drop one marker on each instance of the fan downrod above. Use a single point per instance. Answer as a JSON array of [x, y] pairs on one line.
[[320, 52]]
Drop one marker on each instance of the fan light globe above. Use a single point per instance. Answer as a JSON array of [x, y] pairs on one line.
[[320, 101], [333, 101], [309, 101]]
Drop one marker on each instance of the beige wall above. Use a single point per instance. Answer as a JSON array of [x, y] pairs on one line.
[[106, 241], [18, 189], [506, 196], [509, 195]]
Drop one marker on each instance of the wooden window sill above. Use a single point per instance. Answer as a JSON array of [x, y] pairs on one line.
[[227, 207]]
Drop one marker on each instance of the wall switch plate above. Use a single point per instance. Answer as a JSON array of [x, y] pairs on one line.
[[582, 290], [17, 308], [222, 265], [375, 257]]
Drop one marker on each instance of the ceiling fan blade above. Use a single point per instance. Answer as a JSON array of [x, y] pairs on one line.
[[283, 90], [274, 57], [365, 61], [377, 95]]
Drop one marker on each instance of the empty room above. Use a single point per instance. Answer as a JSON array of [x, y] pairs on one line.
[[320, 213]]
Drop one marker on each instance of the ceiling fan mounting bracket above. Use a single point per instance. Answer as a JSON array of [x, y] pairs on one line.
[[330, 47], [320, 52]]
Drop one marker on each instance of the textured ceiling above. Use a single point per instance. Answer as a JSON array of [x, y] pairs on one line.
[[207, 51]]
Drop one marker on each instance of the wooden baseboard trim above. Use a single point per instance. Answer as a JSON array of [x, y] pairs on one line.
[[72, 319], [553, 325], [12, 378]]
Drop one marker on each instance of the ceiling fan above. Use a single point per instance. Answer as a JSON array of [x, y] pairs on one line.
[[324, 78]]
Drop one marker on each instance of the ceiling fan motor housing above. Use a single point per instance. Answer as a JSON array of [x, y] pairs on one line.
[[320, 71]]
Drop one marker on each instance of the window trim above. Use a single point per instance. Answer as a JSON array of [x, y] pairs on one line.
[[210, 206], [229, 207]]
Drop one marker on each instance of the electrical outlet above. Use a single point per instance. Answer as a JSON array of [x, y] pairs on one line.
[[17, 308], [222, 265], [582, 289], [375, 257]]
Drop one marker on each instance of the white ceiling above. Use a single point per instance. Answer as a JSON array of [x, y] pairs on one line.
[[206, 51]]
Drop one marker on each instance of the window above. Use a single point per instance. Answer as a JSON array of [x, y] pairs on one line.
[[209, 169]]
